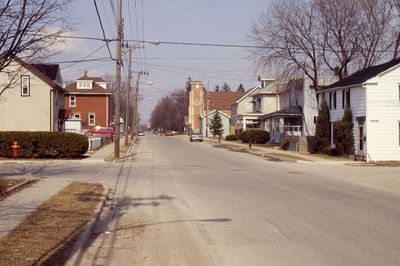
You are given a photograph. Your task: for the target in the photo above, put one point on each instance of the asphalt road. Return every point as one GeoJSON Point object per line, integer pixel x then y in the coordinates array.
{"type": "Point", "coordinates": [182, 203]}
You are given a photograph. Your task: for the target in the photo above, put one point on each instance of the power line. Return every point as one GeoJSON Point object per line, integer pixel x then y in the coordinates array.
{"type": "Point", "coordinates": [89, 55]}
{"type": "Point", "coordinates": [102, 28]}
{"type": "Point", "coordinates": [102, 59]}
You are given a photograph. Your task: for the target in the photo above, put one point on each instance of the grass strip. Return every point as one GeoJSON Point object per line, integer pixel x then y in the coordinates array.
{"type": "Point", "coordinates": [47, 236]}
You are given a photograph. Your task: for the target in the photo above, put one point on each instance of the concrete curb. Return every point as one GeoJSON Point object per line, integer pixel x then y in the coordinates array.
{"type": "Point", "coordinates": [17, 186]}
{"type": "Point", "coordinates": [78, 250]}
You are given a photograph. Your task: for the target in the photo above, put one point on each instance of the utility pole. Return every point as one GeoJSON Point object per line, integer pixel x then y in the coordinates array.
{"type": "Point", "coordinates": [130, 49]}
{"type": "Point", "coordinates": [135, 119]}
{"type": "Point", "coordinates": [117, 114]}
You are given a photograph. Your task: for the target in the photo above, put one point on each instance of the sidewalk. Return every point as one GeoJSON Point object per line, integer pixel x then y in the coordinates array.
{"type": "Point", "coordinates": [15, 208]}
{"type": "Point", "coordinates": [277, 155]}
{"type": "Point", "coordinates": [106, 153]}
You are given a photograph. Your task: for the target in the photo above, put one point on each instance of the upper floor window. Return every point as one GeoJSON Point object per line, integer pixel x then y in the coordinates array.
{"type": "Point", "coordinates": [343, 98]}
{"type": "Point", "coordinates": [77, 115]}
{"type": "Point", "coordinates": [25, 86]}
{"type": "Point", "coordinates": [348, 98]}
{"type": "Point", "coordinates": [334, 100]}
{"type": "Point", "coordinates": [330, 100]}
{"type": "Point", "coordinates": [84, 85]}
{"type": "Point", "coordinates": [72, 101]}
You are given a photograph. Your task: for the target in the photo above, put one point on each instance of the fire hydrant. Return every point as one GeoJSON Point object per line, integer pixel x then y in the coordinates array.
{"type": "Point", "coordinates": [15, 148]}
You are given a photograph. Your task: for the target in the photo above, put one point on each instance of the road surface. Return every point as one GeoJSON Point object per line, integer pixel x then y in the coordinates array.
{"type": "Point", "coordinates": [182, 203]}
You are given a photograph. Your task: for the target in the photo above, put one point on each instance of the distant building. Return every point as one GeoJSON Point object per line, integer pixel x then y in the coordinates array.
{"type": "Point", "coordinates": [89, 100]}
{"type": "Point", "coordinates": [34, 101]}
{"type": "Point", "coordinates": [202, 102]}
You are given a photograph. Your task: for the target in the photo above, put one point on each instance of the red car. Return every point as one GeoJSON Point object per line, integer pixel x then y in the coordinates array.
{"type": "Point", "coordinates": [102, 131]}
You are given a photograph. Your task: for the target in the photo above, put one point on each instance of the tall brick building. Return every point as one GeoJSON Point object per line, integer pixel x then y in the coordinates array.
{"type": "Point", "coordinates": [201, 101]}
{"type": "Point", "coordinates": [89, 100]}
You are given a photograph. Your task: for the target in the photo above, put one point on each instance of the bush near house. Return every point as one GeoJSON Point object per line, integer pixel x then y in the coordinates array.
{"type": "Point", "coordinates": [343, 136]}
{"type": "Point", "coordinates": [322, 129]}
{"type": "Point", "coordinates": [231, 138]}
{"type": "Point", "coordinates": [256, 136]}
{"type": "Point", "coordinates": [43, 144]}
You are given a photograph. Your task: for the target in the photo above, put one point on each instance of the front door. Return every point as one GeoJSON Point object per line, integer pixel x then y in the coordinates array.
{"type": "Point", "coordinates": [361, 139]}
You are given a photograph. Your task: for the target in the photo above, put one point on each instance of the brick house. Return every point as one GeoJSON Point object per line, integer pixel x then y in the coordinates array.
{"type": "Point", "coordinates": [89, 100]}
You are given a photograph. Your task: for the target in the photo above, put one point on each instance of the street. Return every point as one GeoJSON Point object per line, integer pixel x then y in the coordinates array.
{"type": "Point", "coordinates": [183, 203]}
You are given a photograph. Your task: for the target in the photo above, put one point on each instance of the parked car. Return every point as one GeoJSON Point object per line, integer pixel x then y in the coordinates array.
{"type": "Point", "coordinates": [169, 133]}
{"type": "Point", "coordinates": [141, 133]}
{"type": "Point", "coordinates": [101, 131]}
{"type": "Point", "coordinates": [196, 136]}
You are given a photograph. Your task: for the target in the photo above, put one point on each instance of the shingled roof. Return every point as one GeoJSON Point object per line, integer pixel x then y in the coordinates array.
{"type": "Point", "coordinates": [221, 100]}
{"type": "Point", "coordinates": [96, 89]}
{"type": "Point", "coordinates": [363, 75]}
{"type": "Point", "coordinates": [50, 70]}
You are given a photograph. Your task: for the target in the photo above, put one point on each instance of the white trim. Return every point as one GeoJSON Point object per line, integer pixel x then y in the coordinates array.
{"type": "Point", "coordinates": [94, 118]}
{"type": "Point", "coordinates": [70, 105]}
{"type": "Point", "coordinates": [247, 94]}
{"type": "Point", "coordinates": [213, 111]}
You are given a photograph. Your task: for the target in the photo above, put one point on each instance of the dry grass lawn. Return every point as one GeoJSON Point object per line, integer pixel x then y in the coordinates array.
{"type": "Point", "coordinates": [47, 236]}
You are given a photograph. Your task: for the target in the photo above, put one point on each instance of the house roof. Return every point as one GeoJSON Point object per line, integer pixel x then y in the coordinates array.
{"type": "Point", "coordinates": [221, 100]}
{"type": "Point", "coordinates": [50, 70]}
{"type": "Point", "coordinates": [363, 75]}
{"type": "Point", "coordinates": [245, 94]}
{"type": "Point", "coordinates": [94, 79]}
{"type": "Point", "coordinates": [289, 111]}
{"type": "Point", "coordinates": [96, 89]}
{"type": "Point", "coordinates": [219, 112]}
{"type": "Point", "coordinates": [42, 75]}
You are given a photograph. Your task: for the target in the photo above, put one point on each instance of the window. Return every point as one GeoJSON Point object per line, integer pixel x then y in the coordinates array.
{"type": "Point", "coordinates": [348, 98]}
{"type": "Point", "coordinates": [330, 100]}
{"type": "Point", "coordinates": [84, 85]}
{"type": "Point", "coordinates": [315, 119]}
{"type": "Point", "coordinates": [318, 99]}
{"type": "Point", "coordinates": [72, 101]}
{"type": "Point", "coordinates": [343, 98]}
{"type": "Point", "coordinates": [25, 86]}
{"type": "Point", "coordinates": [92, 119]}
{"type": "Point", "coordinates": [77, 115]}
{"type": "Point", "coordinates": [334, 100]}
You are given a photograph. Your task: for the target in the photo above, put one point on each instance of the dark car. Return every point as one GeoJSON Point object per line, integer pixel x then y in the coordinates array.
{"type": "Point", "coordinates": [102, 131]}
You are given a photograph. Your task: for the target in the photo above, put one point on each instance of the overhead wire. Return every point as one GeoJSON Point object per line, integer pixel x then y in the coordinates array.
{"type": "Point", "coordinates": [101, 26]}
{"type": "Point", "coordinates": [81, 60]}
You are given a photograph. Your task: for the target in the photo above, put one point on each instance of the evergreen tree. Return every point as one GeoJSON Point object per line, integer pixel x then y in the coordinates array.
{"type": "Point", "coordinates": [343, 136]}
{"type": "Point", "coordinates": [226, 87]}
{"type": "Point", "coordinates": [187, 86]}
{"type": "Point", "coordinates": [216, 88]}
{"type": "Point", "coordinates": [216, 126]}
{"type": "Point", "coordinates": [241, 88]}
{"type": "Point", "coordinates": [322, 128]}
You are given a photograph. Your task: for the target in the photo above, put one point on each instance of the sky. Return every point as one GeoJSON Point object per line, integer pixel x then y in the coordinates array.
{"type": "Point", "coordinates": [169, 66]}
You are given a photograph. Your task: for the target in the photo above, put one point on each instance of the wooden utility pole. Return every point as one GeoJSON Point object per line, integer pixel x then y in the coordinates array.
{"type": "Point", "coordinates": [130, 50]}
{"type": "Point", "coordinates": [117, 94]}
{"type": "Point", "coordinates": [135, 119]}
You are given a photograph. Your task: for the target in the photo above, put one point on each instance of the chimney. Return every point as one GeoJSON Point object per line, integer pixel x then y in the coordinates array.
{"type": "Point", "coordinates": [85, 73]}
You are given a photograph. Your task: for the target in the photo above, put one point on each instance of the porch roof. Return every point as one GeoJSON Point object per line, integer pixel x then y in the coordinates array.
{"type": "Point", "coordinates": [288, 111]}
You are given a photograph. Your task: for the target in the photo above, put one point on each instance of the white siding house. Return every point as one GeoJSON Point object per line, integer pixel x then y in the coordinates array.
{"type": "Point", "coordinates": [33, 100]}
{"type": "Point", "coordinates": [373, 95]}
{"type": "Point", "coordinates": [296, 111]}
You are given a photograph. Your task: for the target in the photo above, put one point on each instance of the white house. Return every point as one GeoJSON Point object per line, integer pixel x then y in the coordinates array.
{"type": "Point", "coordinates": [247, 110]}
{"type": "Point", "coordinates": [33, 99]}
{"type": "Point", "coordinates": [296, 112]}
{"type": "Point", "coordinates": [373, 95]}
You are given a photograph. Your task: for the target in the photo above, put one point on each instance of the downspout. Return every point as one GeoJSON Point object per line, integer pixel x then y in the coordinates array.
{"type": "Point", "coordinates": [51, 110]}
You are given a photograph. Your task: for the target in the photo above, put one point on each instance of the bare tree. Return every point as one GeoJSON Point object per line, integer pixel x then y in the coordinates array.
{"type": "Point", "coordinates": [29, 29]}
{"type": "Point", "coordinates": [320, 37]}
{"type": "Point", "coordinates": [289, 33]}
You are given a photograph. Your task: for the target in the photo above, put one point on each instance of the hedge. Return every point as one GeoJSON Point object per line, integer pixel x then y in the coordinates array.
{"type": "Point", "coordinates": [43, 144]}
{"type": "Point", "coordinates": [231, 137]}
{"type": "Point", "coordinates": [257, 136]}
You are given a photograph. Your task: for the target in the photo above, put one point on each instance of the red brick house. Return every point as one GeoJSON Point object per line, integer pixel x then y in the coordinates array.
{"type": "Point", "coordinates": [89, 100]}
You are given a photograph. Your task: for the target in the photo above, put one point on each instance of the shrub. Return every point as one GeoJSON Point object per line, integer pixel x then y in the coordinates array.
{"type": "Point", "coordinates": [257, 136]}
{"type": "Point", "coordinates": [231, 138]}
{"type": "Point", "coordinates": [43, 144]}
{"type": "Point", "coordinates": [343, 135]}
